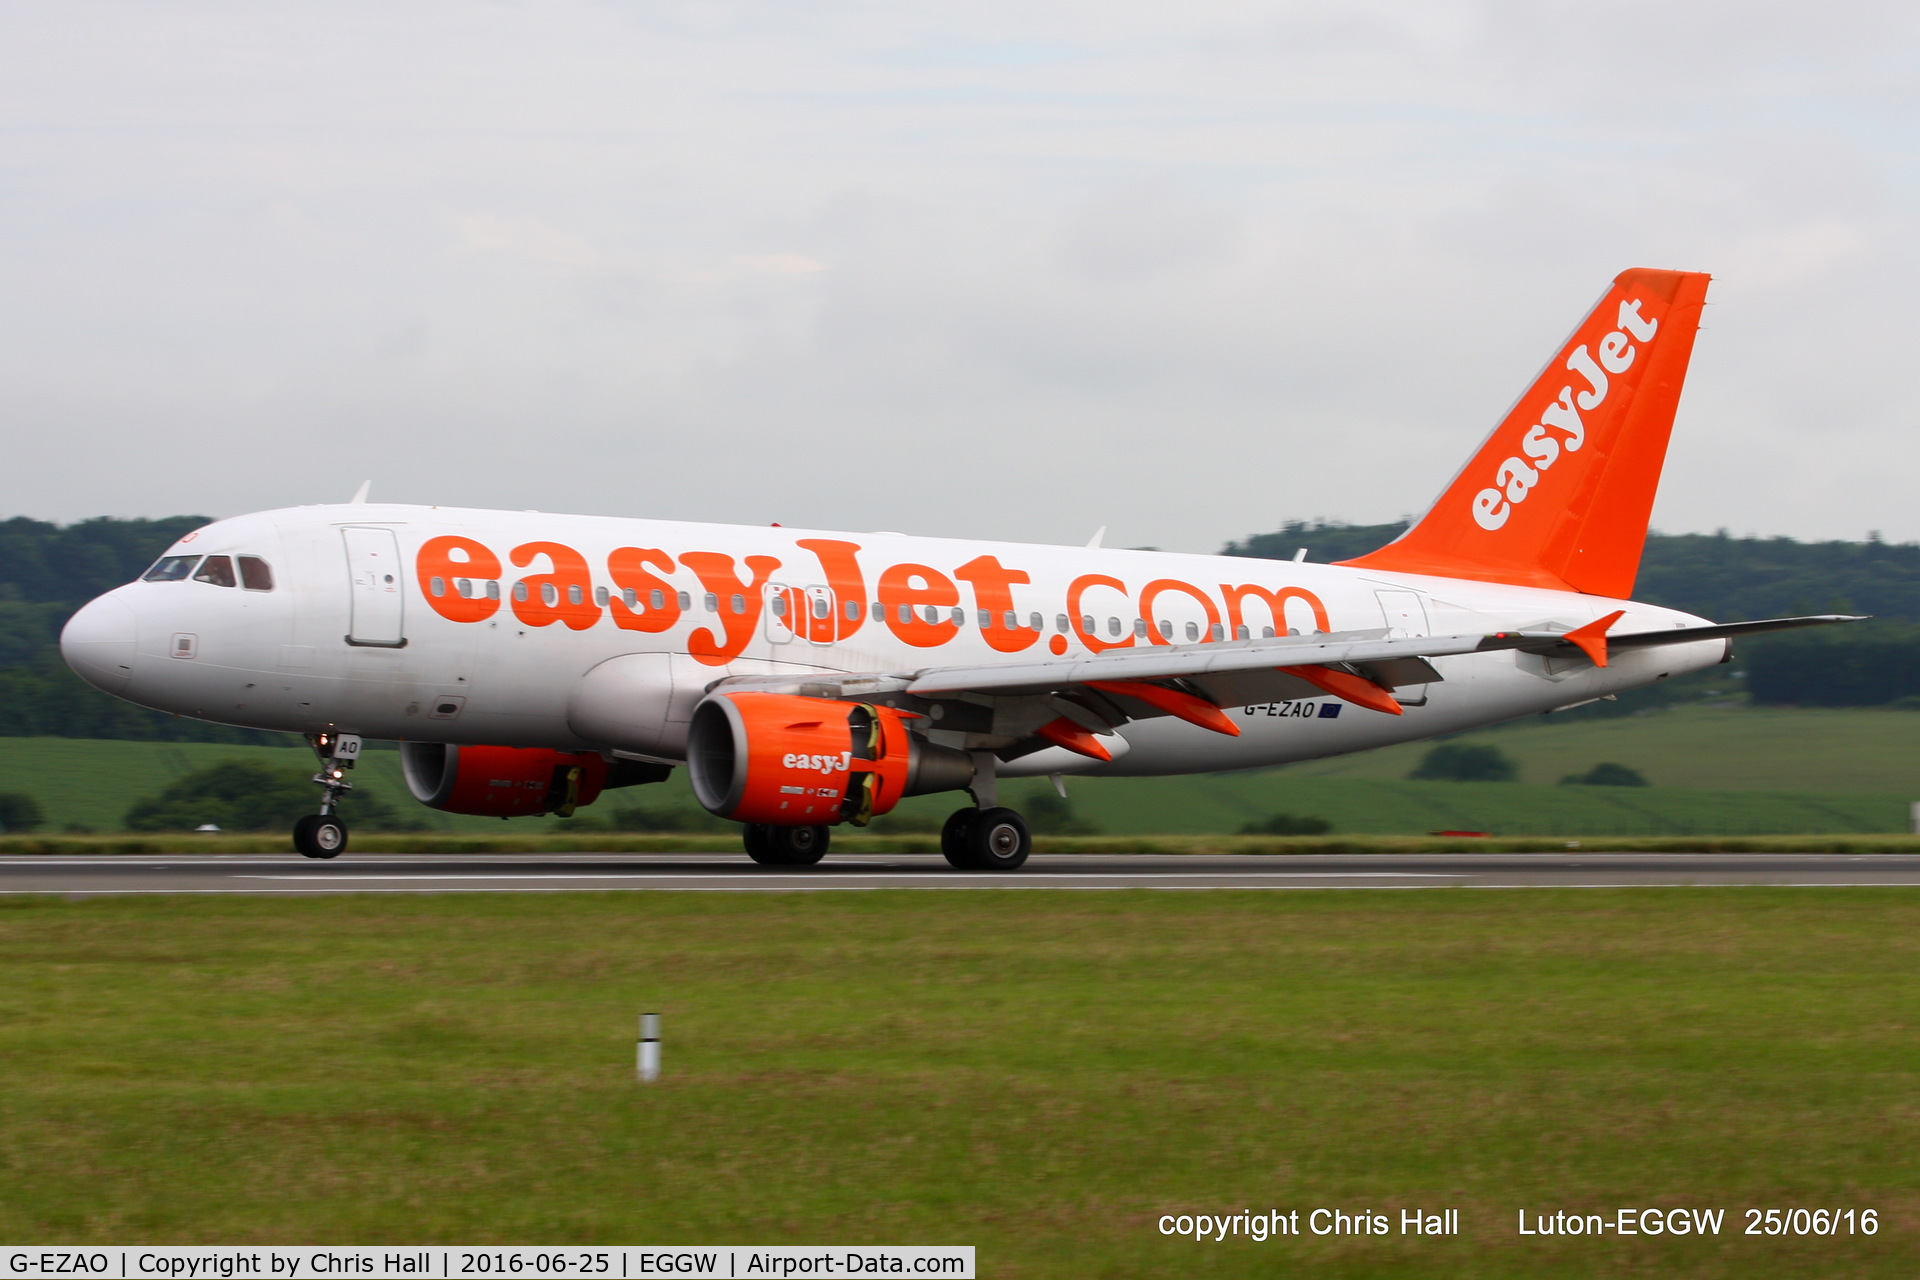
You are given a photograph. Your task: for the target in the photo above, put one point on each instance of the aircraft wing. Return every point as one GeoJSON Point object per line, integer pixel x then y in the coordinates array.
{"type": "Point", "coordinates": [1282, 652]}
{"type": "Point", "coordinates": [1069, 701]}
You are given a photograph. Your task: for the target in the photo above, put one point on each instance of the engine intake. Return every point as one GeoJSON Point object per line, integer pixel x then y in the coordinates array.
{"type": "Point", "coordinates": [790, 761]}
{"type": "Point", "coordinates": [511, 782]}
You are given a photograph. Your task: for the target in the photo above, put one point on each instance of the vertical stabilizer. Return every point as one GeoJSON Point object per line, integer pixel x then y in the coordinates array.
{"type": "Point", "coordinates": [1560, 494]}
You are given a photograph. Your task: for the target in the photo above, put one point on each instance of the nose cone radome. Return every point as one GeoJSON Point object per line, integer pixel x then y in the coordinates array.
{"type": "Point", "coordinates": [98, 643]}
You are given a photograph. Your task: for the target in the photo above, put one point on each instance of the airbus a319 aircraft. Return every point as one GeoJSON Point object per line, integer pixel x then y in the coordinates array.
{"type": "Point", "coordinates": [527, 662]}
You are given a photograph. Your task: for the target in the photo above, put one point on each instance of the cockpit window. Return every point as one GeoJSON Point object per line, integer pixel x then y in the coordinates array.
{"type": "Point", "coordinates": [255, 574]}
{"type": "Point", "coordinates": [170, 569]}
{"type": "Point", "coordinates": [216, 569]}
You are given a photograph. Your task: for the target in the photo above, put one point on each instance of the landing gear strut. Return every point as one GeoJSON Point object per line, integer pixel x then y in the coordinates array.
{"type": "Point", "coordinates": [992, 839]}
{"type": "Point", "coordinates": [772, 846]}
{"type": "Point", "coordinates": [324, 834]}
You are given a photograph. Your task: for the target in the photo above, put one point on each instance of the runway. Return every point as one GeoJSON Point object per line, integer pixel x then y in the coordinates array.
{"type": "Point", "coordinates": [730, 873]}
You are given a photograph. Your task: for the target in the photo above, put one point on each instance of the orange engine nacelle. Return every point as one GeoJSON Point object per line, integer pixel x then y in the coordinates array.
{"type": "Point", "coordinates": [800, 762]}
{"type": "Point", "coordinates": [501, 782]}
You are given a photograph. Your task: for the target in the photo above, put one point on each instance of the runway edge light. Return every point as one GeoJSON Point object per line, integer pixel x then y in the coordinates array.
{"type": "Point", "coordinates": [649, 1052]}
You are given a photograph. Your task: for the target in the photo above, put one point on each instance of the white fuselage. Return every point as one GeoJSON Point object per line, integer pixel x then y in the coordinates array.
{"type": "Point", "coordinates": [340, 643]}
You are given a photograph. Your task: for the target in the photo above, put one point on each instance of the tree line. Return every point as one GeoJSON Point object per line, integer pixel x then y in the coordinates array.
{"type": "Point", "coordinates": [47, 571]}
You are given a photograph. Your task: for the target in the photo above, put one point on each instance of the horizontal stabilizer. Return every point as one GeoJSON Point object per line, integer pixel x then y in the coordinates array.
{"type": "Point", "coordinates": [1559, 643]}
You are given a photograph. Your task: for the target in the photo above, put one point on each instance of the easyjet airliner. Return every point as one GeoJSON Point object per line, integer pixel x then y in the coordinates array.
{"type": "Point", "coordinates": [528, 662]}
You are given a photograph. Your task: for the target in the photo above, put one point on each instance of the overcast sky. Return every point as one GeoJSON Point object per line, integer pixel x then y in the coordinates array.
{"type": "Point", "coordinates": [982, 269]}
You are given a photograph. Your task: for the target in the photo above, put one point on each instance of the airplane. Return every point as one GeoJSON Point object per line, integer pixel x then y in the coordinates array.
{"type": "Point", "coordinates": [527, 663]}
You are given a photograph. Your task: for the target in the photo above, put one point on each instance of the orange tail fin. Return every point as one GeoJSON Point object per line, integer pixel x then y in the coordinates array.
{"type": "Point", "coordinates": [1560, 494]}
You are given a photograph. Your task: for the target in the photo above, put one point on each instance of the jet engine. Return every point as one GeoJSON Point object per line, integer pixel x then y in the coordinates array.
{"type": "Point", "coordinates": [510, 782]}
{"type": "Point", "coordinates": [789, 761]}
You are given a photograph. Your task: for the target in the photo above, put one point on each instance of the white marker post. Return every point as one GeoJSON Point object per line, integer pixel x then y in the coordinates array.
{"type": "Point", "coordinates": [1913, 817]}
{"type": "Point", "coordinates": [649, 1047]}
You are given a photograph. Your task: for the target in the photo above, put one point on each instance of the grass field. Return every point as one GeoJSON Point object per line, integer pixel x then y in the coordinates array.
{"type": "Point", "coordinates": [1732, 771]}
{"type": "Point", "coordinates": [1717, 748]}
{"type": "Point", "coordinates": [1039, 1074]}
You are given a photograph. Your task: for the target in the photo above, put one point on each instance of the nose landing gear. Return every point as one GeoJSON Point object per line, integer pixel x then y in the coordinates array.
{"type": "Point", "coordinates": [324, 834]}
{"type": "Point", "coordinates": [319, 835]}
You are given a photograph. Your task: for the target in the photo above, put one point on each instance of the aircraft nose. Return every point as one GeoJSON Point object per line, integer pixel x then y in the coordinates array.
{"type": "Point", "coordinates": [98, 642]}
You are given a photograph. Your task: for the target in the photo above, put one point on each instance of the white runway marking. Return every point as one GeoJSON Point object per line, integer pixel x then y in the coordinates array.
{"type": "Point", "coordinates": [996, 877]}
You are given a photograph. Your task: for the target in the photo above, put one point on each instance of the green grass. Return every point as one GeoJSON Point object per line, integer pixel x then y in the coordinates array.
{"type": "Point", "coordinates": [1038, 1074]}
{"type": "Point", "coordinates": [1717, 748]}
{"type": "Point", "coordinates": [91, 782]}
{"type": "Point", "coordinates": [1726, 771]}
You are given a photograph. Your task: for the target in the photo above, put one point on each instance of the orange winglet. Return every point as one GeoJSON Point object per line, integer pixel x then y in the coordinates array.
{"type": "Point", "coordinates": [1355, 689]}
{"type": "Point", "coordinates": [1592, 638]}
{"type": "Point", "coordinates": [1175, 703]}
{"type": "Point", "coordinates": [1065, 733]}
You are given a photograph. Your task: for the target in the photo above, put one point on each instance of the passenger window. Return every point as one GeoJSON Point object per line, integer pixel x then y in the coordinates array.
{"type": "Point", "coordinates": [493, 590]}
{"type": "Point", "coordinates": [986, 620]}
{"type": "Point", "coordinates": [685, 602]}
{"type": "Point", "coordinates": [739, 604]}
{"type": "Point", "coordinates": [1086, 623]}
{"type": "Point", "coordinates": [657, 598]}
{"type": "Point", "coordinates": [1140, 628]}
{"type": "Point", "coordinates": [218, 570]}
{"type": "Point", "coordinates": [600, 596]}
{"type": "Point", "coordinates": [437, 585]}
{"type": "Point", "coordinates": [1037, 622]}
{"type": "Point", "coordinates": [1010, 620]}
{"type": "Point", "coordinates": [254, 574]}
{"type": "Point", "coordinates": [1060, 624]}
{"type": "Point", "coordinates": [170, 569]}
{"type": "Point", "coordinates": [1193, 631]}
{"type": "Point", "coordinates": [905, 613]}
{"type": "Point", "coordinates": [959, 617]}
{"type": "Point", "coordinates": [1113, 626]}
{"type": "Point", "coordinates": [820, 607]}
{"type": "Point", "coordinates": [853, 611]}
{"type": "Point", "coordinates": [780, 606]}
{"type": "Point", "coordinates": [632, 598]}
{"type": "Point", "coordinates": [712, 602]}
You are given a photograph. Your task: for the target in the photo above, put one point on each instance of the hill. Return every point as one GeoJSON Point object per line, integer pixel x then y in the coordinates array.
{"type": "Point", "coordinates": [1716, 576]}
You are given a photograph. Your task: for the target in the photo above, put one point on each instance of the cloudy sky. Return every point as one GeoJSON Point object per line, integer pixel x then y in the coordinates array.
{"type": "Point", "coordinates": [992, 269]}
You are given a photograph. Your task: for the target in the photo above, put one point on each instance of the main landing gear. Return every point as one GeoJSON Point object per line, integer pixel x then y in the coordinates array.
{"type": "Point", "coordinates": [324, 834]}
{"type": "Point", "coordinates": [772, 846]}
{"type": "Point", "coordinates": [986, 839]}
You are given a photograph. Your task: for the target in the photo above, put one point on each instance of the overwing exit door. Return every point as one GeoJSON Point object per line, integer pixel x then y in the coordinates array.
{"type": "Point", "coordinates": [373, 566]}
{"type": "Point", "coordinates": [1406, 616]}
